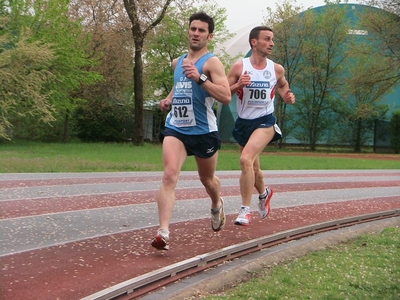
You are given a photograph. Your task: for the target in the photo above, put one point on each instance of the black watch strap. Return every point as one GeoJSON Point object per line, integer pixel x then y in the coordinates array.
{"type": "Point", "coordinates": [203, 78]}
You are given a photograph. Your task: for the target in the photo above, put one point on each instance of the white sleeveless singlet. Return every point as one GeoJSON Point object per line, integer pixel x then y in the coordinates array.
{"type": "Point", "coordinates": [257, 99]}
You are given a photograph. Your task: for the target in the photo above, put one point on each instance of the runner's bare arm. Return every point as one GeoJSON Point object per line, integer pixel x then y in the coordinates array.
{"type": "Point", "coordinates": [236, 79]}
{"type": "Point", "coordinates": [217, 85]}
{"type": "Point", "coordinates": [283, 85]}
{"type": "Point", "coordinates": [165, 104]}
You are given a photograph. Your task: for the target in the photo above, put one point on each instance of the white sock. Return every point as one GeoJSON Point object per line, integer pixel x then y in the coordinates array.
{"type": "Point", "coordinates": [264, 195]}
{"type": "Point", "coordinates": [164, 231]}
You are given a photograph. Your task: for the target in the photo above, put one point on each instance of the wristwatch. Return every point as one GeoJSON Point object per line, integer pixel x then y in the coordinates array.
{"type": "Point", "coordinates": [203, 78]}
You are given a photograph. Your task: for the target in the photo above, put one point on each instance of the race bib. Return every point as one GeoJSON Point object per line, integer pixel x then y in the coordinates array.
{"type": "Point", "coordinates": [182, 111]}
{"type": "Point", "coordinates": [257, 93]}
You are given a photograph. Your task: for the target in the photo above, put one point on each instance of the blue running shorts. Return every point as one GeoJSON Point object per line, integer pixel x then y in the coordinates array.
{"type": "Point", "coordinates": [244, 128]}
{"type": "Point", "coordinates": [203, 145]}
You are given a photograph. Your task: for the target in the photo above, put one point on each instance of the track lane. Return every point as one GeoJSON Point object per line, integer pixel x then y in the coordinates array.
{"type": "Point", "coordinates": [71, 269]}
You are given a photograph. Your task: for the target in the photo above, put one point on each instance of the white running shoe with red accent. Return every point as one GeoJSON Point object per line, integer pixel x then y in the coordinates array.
{"type": "Point", "coordinates": [264, 204]}
{"type": "Point", "coordinates": [161, 241]}
{"type": "Point", "coordinates": [244, 217]}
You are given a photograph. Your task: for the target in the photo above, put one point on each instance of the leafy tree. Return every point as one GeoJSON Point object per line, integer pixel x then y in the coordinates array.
{"type": "Point", "coordinates": [360, 98]}
{"type": "Point", "coordinates": [144, 16]}
{"type": "Point", "coordinates": [111, 45]}
{"type": "Point", "coordinates": [370, 76]}
{"type": "Point", "coordinates": [72, 64]}
{"type": "Point", "coordinates": [49, 24]}
{"type": "Point", "coordinates": [290, 32]}
{"type": "Point", "coordinates": [392, 6]}
{"type": "Point", "coordinates": [383, 26]}
{"type": "Point", "coordinates": [324, 60]}
{"type": "Point", "coordinates": [24, 69]}
{"type": "Point", "coordinates": [359, 104]}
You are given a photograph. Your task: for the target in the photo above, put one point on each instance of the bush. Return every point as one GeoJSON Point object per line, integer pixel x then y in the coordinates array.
{"type": "Point", "coordinates": [394, 128]}
{"type": "Point", "coordinates": [101, 121]}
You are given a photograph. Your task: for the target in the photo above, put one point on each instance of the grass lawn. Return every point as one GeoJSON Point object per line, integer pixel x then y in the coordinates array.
{"type": "Point", "coordinates": [29, 157]}
{"type": "Point", "coordinates": [365, 268]}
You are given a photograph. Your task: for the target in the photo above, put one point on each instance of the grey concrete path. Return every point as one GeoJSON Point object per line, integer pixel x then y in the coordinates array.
{"type": "Point", "coordinates": [108, 188]}
{"type": "Point", "coordinates": [35, 232]}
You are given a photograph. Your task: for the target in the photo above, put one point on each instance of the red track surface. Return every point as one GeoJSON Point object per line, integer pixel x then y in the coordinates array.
{"type": "Point", "coordinates": [74, 270]}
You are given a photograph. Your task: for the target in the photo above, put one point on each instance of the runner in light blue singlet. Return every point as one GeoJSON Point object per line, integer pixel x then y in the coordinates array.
{"type": "Point", "coordinates": [192, 107]}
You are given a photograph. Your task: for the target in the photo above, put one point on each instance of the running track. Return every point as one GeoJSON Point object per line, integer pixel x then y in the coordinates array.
{"type": "Point", "coordinates": [69, 235]}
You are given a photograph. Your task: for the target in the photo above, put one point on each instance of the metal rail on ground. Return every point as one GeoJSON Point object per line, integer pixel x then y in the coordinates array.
{"type": "Point", "coordinates": [154, 280]}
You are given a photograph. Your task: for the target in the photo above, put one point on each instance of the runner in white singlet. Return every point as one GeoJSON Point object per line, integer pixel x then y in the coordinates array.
{"type": "Point", "coordinates": [255, 81]}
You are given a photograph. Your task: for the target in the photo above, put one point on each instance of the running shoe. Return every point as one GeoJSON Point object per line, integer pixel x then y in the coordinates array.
{"type": "Point", "coordinates": [161, 241]}
{"type": "Point", "coordinates": [264, 203]}
{"type": "Point", "coordinates": [244, 217]}
{"type": "Point", "coordinates": [218, 217]}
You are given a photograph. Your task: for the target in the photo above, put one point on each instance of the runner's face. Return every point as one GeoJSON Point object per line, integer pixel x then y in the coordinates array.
{"type": "Point", "coordinates": [265, 43]}
{"type": "Point", "coordinates": [198, 35]}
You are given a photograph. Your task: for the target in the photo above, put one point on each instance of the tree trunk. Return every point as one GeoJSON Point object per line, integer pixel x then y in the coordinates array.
{"type": "Point", "coordinates": [66, 127]}
{"type": "Point", "coordinates": [133, 9]}
{"type": "Point", "coordinates": [138, 137]}
{"type": "Point", "coordinates": [357, 144]}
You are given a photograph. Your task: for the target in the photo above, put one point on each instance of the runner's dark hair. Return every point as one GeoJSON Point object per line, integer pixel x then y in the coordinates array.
{"type": "Point", "coordinates": [202, 16]}
{"type": "Point", "coordinates": [255, 32]}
